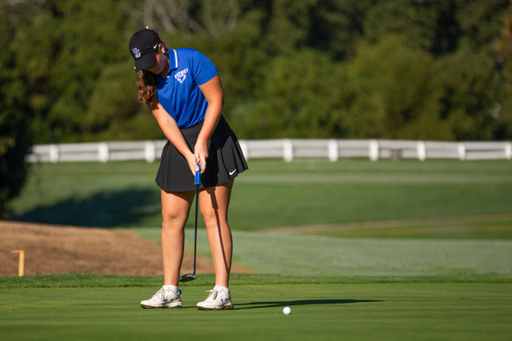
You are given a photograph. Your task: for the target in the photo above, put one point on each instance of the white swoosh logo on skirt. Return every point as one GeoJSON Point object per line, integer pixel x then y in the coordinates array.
{"type": "Point", "coordinates": [233, 172]}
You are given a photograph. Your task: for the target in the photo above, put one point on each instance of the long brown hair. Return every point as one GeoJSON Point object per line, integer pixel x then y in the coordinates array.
{"type": "Point", "coordinates": [146, 82]}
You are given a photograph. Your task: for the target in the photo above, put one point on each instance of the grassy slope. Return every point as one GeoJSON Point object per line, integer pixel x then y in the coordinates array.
{"type": "Point", "coordinates": [318, 255]}
{"type": "Point", "coordinates": [486, 228]}
{"type": "Point", "coordinates": [273, 193]}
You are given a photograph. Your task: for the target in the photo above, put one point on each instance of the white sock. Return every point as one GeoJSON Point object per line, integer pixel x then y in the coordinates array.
{"type": "Point", "coordinates": [173, 288]}
{"type": "Point", "coordinates": [226, 290]}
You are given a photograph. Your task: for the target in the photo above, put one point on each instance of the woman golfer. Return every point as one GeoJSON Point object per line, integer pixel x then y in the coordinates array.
{"type": "Point", "coordinates": [182, 89]}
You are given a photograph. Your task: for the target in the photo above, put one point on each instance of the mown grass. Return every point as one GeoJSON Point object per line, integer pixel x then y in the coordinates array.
{"type": "Point", "coordinates": [274, 193]}
{"type": "Point", "coordinates": [299, 255]}
{"type": "Point", "coordinates": [357, 311]}
{"type": "Point", "coordinates": [486, 228]}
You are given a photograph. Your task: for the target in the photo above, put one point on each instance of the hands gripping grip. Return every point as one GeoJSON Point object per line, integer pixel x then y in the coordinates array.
{"type": "Point", "coordinates": [198, 175]}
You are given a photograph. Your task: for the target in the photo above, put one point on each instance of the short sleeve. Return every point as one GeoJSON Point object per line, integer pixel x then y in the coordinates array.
{"type": "Point", "coordinates": [204, 70]}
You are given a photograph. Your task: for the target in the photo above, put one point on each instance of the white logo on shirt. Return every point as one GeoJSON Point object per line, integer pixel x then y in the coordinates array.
{"type": "Point", "coordinates": [136, 52]}
{"type": "Point", "coordinates": [180, 76]}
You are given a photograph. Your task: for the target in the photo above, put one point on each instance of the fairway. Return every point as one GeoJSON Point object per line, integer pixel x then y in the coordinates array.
{"type": "Point", "coordinates": [274, 193]}
{"type": "Point", "coordinates": [420, 311]}
{"type": "Point", "coordinates": [322, 255]}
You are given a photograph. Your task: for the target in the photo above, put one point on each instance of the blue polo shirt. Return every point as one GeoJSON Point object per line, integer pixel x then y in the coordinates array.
{"type": "Point", "coordinates": [179, 93]}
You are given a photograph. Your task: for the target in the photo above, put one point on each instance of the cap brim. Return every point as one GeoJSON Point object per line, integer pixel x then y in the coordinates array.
{"type": "Point", "coordinates": [145, 62]}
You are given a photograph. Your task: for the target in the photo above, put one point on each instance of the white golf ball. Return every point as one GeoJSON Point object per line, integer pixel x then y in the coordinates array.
{"type": "Point", "coordinates": [287, 310]}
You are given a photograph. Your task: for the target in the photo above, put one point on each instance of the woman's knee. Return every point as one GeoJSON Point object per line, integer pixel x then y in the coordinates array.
{"type": "Point", "coordinates": [175, 209]}
{"type": "Point", "coordinates": [214, 204]}
{"type": "Point", "coordinates": [213, 217]}
{"type": "Point", "coordinates": [210, 216]}
{"type": "Point", "coordinates": [173, 220]}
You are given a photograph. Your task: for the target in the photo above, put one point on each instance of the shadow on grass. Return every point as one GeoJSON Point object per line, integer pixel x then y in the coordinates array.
{"type": "Point", "coordinates": [256, 305]}
{"type": "Point", "coordinates": [103, 209]}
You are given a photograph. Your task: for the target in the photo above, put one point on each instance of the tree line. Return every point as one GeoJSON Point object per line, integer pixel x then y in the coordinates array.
{"type": "Point", "coordinates": [406, 69]}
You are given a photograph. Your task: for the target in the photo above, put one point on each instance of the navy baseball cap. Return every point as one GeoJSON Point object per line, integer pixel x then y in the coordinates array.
{"type": "Point", "coordinates": [143, 47]}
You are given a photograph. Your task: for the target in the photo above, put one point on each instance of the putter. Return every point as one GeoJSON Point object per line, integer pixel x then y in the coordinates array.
{"type": "Point", "coordinates": [192, 276]}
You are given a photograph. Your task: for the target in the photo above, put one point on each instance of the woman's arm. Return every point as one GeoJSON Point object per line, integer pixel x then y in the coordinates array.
{"type": "Point", "coordinates": [212, 91]}
{"type": "Point", "coordinates": [173, 133]}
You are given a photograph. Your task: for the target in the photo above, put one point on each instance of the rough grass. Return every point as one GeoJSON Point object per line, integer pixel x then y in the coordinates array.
{"type": "Point", "coordinates": [107, 281]}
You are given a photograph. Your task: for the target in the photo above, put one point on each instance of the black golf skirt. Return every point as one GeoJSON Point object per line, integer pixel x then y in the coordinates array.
{"type": "Point", "coordinates": [225, 160]}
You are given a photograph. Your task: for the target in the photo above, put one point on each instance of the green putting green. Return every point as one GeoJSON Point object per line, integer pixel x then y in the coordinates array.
{"type": "Point", "coordinates": [384, 311]}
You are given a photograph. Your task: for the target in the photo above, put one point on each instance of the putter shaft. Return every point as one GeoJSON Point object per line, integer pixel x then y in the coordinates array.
{"type": "Point", "coordinates": [192, 276]}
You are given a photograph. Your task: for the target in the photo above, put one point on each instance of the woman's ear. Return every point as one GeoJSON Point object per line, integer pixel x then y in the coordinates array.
{"type": "Point", "coordinates": [161, 48]}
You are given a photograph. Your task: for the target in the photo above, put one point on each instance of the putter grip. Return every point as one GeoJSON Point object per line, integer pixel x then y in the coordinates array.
{"type": "Point", "coordinates": [198, 175]}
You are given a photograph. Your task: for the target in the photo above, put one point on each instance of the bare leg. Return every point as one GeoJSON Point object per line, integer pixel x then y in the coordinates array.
{"type": "Point", "coordinates": [214, 203]}
{"type": "Point", "coordinates": [175, 210]}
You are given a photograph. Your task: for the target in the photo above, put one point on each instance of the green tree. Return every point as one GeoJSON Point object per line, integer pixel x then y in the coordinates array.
{"type": "Point", "coordinates": [480, 21]}
{"type": "Point", "coordinates": [338, 25]}
{"type": "Point", "coordinates": [416, 21]}
{"type": "Point", "coordinates": [437, 26]}
{"type": "Point", "coordinates": [15, 133]}
{"type": "Point", "coordinates": [470, 84]}
{"type": "Point", "coordinates": [289, 26]}
{"type": "Point", "coordinates": [303, 68]}
{"type": "Point", "coordinates": [396, 93]}
{"type": "Point", "coordinates": [502, 111]}
{"type": "Point", "coordinates": [15, 141]}
{"type": "Point", "coordinates": [300, 96]}
{"type": "Point", "coordinates": [60, 51]}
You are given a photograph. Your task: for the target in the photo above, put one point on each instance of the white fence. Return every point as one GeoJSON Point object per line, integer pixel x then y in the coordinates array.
{"type": "Point", "coordinates": [288, 149]}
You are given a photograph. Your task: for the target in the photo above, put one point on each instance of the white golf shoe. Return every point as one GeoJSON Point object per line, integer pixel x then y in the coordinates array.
{"type": "Point", "coordinates": [218, 299]}
{"type": "Point", "coordinates": [164, 298]}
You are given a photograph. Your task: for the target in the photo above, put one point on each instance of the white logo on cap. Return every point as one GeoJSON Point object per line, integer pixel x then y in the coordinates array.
{"type": "Point", "coordinates": [136, 52]}
{"type": "Point", "coordinates": [180, 76]}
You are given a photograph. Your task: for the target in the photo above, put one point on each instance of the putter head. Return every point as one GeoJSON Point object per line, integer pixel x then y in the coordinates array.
{"type": "Point", "coordinates": [187, 278]}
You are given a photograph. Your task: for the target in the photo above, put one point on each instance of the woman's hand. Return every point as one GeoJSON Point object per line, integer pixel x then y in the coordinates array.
{"type": "Point", "coordinates": [192, 163]}
{"type": "Point", "coordinates": [201, 154]}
